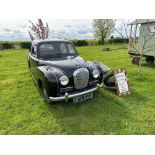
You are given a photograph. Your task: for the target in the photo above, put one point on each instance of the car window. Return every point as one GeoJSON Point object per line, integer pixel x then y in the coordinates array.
{"type": "Point", "coordinates": [34, 50]}
{"type": "Point", "coordinates": [46, 47]}
{"type": "Point", "coordinates": [55, 50]}
{"type": "Point", "coordinates": [46, 50]}
{"type": "Point", "coordinates": [70, 48]}
{"type": "Point", "coordinates": [63, 48]}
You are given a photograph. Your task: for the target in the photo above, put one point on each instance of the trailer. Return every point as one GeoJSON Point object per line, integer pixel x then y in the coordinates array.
{"type": "Point", "coordinates": [142, 40]}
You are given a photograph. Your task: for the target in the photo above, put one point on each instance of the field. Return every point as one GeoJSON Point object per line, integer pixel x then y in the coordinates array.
{"type": "Point", "coordinates": [23, 111]}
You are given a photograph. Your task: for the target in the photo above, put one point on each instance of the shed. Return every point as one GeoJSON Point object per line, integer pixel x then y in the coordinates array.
{"type": "Point", "coordinates": [142, 39]}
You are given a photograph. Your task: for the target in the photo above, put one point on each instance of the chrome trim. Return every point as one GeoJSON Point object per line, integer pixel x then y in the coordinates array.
{"type": "Point", "coordinates": [81, 78]}
{"type": "Point", "coordinates": [67, 89]}
{"type": "Point", "coordinates": [33, 79]}
{"type": "Point", "coordinates": [70, 96]}
{"type": "Point", "coordinates": [93, 82]}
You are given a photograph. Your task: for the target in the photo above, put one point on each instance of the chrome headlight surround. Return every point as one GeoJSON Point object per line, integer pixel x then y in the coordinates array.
{"type": "Point", "coordinates": [96, 74]}
{"type": "Point", "coordinates": [64, 80]}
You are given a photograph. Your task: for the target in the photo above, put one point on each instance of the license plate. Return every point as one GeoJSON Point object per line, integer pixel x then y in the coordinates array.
{"type": "Point", "coordinates": [83, 97]}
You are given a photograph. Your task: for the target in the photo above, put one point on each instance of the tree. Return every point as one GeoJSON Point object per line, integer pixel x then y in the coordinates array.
{"type": "Point", "coordinates": [103, 28]}
{"type": "Point", "coordinates": [122, 28]}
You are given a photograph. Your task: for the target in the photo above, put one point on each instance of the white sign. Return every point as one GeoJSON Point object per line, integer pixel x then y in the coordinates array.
{"type": "Point", "coordinates": [122, 82]}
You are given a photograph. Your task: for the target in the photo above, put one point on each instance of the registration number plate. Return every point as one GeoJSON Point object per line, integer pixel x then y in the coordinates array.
{"type": "Point", "coordinates": [83, 97]}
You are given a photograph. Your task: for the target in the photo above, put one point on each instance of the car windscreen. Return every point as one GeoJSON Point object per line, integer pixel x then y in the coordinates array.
{"type": "Point", "coordinates": [55, 49]}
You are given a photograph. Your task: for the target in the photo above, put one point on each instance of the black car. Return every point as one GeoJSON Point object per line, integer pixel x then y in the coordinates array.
{"type": "Point", "coordinates": [61, 74]}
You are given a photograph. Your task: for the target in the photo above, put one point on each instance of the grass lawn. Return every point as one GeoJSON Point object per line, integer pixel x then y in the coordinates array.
{"type": "Point", "coordinates": [23, 111]}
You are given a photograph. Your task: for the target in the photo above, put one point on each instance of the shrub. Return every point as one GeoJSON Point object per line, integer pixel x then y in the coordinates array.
{"type": "Point", "coordinates": [80, 42]}
{"type": "Point", "coordinates": [120, 40]}
{"type": "Point", "coordinates": [92, 42]}
{"type": "Point", "coordinates": [115, 41]}
{"type": "Point", "coordinates": [110, 41]}
{"type": "Point", "coordinates": [105, 42]}
{"type": "Point", "coordinates": [1, 47]}
{"type": "Point", "coordinates": [25, 45]}
{"type": "Point", "coordinates": [99, 42]}
{"type": "Point", "coordinates": [74, 42]}
{"type": "Point", "coordinates": [7, 45]}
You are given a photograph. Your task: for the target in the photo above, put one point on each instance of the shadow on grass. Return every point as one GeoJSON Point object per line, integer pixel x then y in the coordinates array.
{"type": "Point", "coordinates": [120, 48]}
{"type": "Point", "coordinates": [149, 65]}
{"type": "Point", "coordinates": [106, 113]}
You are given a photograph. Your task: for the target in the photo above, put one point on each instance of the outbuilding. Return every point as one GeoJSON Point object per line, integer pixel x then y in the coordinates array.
{"type": "Point", "coordinates": [142, 40]}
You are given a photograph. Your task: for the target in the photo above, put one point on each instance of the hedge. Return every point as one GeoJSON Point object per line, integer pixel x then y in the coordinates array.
{"type": "Point", "coordinates": [7, 45]}
{"type": "Point", "coordinates": [118, 40]}
{"type": "Point", "coordinates": [92, 42]}
{"type": "Point", "coordinates": [80, 42]}
{"type": "Point", "coordinates": [25, 45]}
{"type": "Point", "coordinates": [106, 41]}
{"type": "Point", "coordinates": [1, 48]}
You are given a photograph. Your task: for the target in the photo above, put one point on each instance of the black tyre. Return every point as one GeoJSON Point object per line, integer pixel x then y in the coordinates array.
{"type": "Point", "coordinates": [108, 81]}
{"type": "Point", "coordinates": [46, 97]}
{"type": "Point", "coordinates": [150, 59]}
{"type": "Point", "coordinates": [29, 64]}
{"type": "Point", "coordinates": [135, 60]}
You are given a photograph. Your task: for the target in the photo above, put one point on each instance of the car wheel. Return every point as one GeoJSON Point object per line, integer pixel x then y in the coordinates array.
{"type": "Point", "coordinates": [150, 59]}
{"type": "Point", "coordinates": [29, 64]}
{"type": "Point", "coordinates": [108, 81]}
{"type": "Point", "coordinates": [46, 97]}
{"type": "Point", "coordinates": [135, 60]}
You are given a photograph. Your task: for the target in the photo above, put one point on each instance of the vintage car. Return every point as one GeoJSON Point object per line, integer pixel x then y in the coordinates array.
{"type": "Point", "coordinates": [61, 74]}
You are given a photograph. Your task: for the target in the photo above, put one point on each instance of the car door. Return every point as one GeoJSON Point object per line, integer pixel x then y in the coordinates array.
{"type": "Point", "coordinates": [33, 60]}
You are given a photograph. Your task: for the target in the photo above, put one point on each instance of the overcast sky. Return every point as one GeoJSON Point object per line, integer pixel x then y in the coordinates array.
{"type": "Point", "coordinates": [16, 30]}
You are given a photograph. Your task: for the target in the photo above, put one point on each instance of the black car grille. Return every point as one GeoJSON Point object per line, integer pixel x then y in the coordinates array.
{"type": "Point", "coordinates": [81, 78]}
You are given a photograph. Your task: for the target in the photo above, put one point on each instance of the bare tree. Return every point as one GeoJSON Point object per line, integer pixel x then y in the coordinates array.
{"type": "Point", "coordinates": [122, 28]}
{"type": "Point", "coordinates": [103, 28]}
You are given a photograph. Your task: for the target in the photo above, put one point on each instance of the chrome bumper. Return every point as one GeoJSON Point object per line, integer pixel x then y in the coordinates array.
{"type": "Point", "coordinates": [70, 96]}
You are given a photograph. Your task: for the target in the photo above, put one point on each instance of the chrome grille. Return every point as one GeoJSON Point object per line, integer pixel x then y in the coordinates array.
{"type": "Point", "coordinates": [81, 78]}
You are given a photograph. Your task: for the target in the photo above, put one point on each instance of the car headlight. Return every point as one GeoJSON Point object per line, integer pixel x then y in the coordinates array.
{"type": "Point", "coordinates": [96, 74]}
{"type": "Point", "coordinates": [64, 80]}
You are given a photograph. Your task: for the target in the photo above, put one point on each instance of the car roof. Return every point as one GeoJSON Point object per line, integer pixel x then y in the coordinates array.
{"type": "Point", "coordinates": [34, 42]}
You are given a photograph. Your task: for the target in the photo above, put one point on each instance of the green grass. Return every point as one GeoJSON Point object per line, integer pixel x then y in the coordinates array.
{"type": "Point", "coordinates": [23, 111]}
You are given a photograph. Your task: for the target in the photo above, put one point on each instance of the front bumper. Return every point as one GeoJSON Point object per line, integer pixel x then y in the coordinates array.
{"type": "Point", "coordinates": [67, 96]}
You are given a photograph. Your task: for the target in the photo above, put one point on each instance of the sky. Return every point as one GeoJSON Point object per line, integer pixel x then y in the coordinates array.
{"type": "Point", "coordinates": [17, 30]}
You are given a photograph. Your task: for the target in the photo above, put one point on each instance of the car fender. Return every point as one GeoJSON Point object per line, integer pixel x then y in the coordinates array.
{"type": "Point", "coordinates": [101, 67]}
{"type": "Point", "coordinates": [50, 78]}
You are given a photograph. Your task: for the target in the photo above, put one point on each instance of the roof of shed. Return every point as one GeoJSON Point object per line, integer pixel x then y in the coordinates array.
{"type": "Point", "coordinates": [142, 21]}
